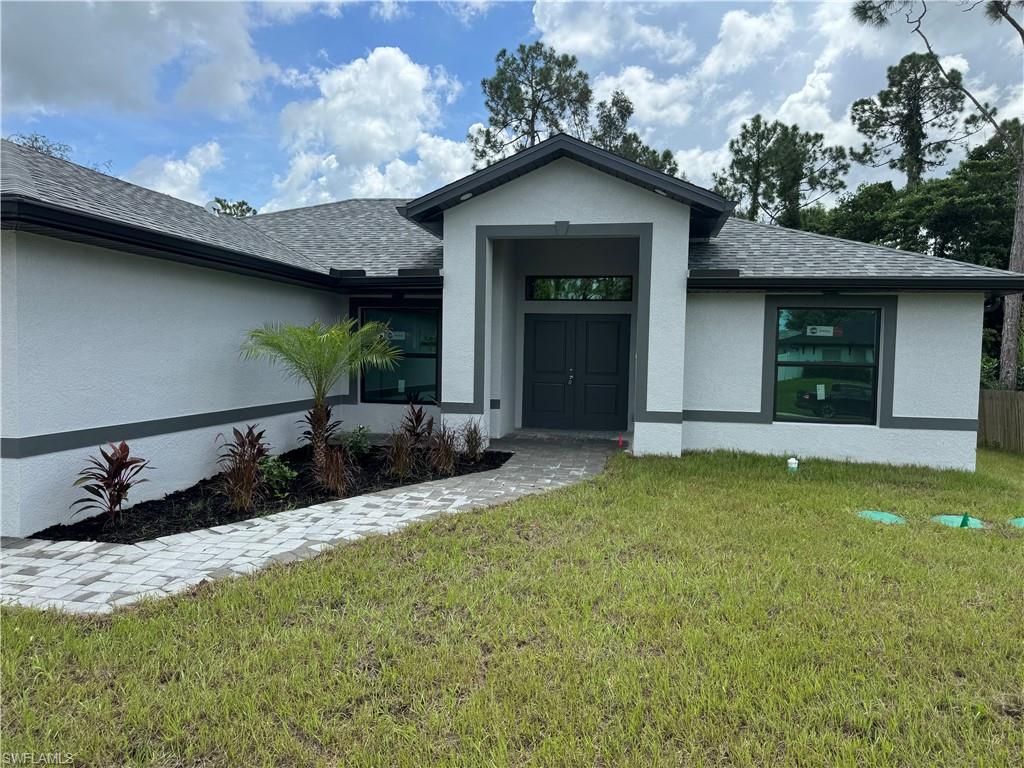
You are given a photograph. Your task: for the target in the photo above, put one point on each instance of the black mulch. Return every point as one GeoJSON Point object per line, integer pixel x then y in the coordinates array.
{"type": "Point", "coordinates": [202, 506]}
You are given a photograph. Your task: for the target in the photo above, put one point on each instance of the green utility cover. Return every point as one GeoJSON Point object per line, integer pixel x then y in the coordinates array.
{"type": "Point", "coordinates": [1017, 522]}
{"type": "Point", "coordinates": [881, 517]}
{"type": "Point", "coordinates": [957, 521]}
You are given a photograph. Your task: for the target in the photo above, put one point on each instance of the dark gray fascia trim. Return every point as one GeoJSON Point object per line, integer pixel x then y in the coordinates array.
{"type": "Point", "coordinates": [659, 417]}
{"type": "Point", "coordinates": [462, 408]}
{"type": "Point", "coordinates": [997, 284]}
{"type": "Point", "coordinates": [425, 210]}
{"type": "Point", "coordinates": [24, 214]}
{"type": "Point", "coordinates": [389, 283]}
{"type": "Point", "coordinates": [734, 417]}
{"type": "Point", "coordinates": [37, 445]}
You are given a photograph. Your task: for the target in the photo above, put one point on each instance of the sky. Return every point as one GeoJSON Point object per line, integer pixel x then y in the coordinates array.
{"type": "Point", "coordinates": [292, 104]}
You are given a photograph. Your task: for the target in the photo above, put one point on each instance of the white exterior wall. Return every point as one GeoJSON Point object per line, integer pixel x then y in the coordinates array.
{"type": "Point", "coordinates": [938, 354]}
{"type": "Point", "coordinates": [568, 191]}
{"type": "Point", "coordinates": [724, 352]}
{"type": "Point", "coordinates": [938, 350]}
{"type": "Point", "coordinates": [105, 337]}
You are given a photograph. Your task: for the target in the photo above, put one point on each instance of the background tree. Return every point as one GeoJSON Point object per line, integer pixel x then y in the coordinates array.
{"type": "Point", "coordinates": [747, 177]}
{"type": "Point", "coordinates": [239, 209]}
{"type": "Point", "coordinates": [878, 13]}
{"type": "Point", "coordinates": [912, 124]}
{"type": "Point", "coordinates": [534, 93]}
{"type": "Point", "coordinates": [778, 170]}
{"type": "Point", "coordinates": [611, 132]}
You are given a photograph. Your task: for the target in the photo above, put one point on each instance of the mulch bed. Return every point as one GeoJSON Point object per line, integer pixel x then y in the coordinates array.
{"type": "Point", "coordinates": [202, 506]}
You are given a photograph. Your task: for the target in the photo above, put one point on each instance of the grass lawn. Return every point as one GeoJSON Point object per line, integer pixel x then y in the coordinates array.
{"type": "Point", "coordinates": [709, 610]}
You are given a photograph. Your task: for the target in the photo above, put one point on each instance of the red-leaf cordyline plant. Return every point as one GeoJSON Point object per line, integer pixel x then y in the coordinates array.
{"type": "Point", "coordinates": [241, 479]}
{"type": "Point", "coordinates": [321, 355]}
{"type": "Point", "coordinates": [108, 480]}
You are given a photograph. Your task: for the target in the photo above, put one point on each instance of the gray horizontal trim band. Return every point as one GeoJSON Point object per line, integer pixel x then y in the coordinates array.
{"type": "Point", "coordinates": [917, 422]}
{"type": "Point", "coordinates": [659, 417]}
{"type": "Point", "coordinates": [735, 417]}
{"type": "Point", "coordinates": [495, 403]}
{"type": "Point", "coordinates": [470, 408]}
{"type": "Point", "coordinates": [38, 445]}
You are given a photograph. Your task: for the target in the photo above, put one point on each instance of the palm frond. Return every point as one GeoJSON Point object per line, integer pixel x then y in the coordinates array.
{"type": "Point", "coordinates": [321, 354]}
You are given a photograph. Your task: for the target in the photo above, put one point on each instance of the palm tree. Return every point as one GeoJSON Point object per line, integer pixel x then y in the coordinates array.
{"type": "Point", "coordinates": [320, 355]}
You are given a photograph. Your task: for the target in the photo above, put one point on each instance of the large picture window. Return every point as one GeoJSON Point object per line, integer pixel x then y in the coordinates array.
{"type": "Point", "coordinates": [594, 288]}
{"type": "Point", "coordinates": [414, 379]}
{"type": "Point", "coordinates": [826, 365]}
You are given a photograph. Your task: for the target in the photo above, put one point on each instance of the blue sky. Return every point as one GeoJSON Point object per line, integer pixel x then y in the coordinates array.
{"type": "Point", "coordinates": [301, 103]}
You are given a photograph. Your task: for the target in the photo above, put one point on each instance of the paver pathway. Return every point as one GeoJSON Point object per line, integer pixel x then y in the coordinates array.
{"type": "Point", "coordinates": [93, 577]}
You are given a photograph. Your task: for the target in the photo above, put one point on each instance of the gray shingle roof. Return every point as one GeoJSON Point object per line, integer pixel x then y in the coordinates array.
{"type": "Point", "coordinates": [27, 173]}
{"type": "Point", "coordinates": [372, 235]}
{"type": "Point", "coordinates": [762, 250]}
{"type": "Point", "coordinates": [355, 234]}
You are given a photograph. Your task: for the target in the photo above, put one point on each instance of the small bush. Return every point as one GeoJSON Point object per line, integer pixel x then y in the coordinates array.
{"type": "Point", "coordinates": [473, 440]}
{"type": "Point", "coordinates": [417, 425]}
{"type": "Point", "coordinates": [400, 455]}
{"type": "Point", "coordinates": [318, 422]}
{"type": "Point", "coordinates": [241, 479]}
{"type": "Point", "coordinates": [108, 481]}
{"type": "Point", "coordinates": [443, 451]}
{"type": "Point", "coordinates": [337, 473]}
{"type": "Point", "coordinates": [277, 476]}
{"type": "Point", "coordinates": [357, 442]}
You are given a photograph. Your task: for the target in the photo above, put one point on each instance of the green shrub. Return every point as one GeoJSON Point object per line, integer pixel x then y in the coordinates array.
{"type": "Point", "coordinates": [277, 476]}
{"type": "Point", "coordinates": [357, 442]}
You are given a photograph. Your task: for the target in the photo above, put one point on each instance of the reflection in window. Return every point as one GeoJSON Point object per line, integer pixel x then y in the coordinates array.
{"type": "Point", "coordinates": [414, 379]}
{"type": "Point", "coordinates": [579, 288]}
{"type": "Point", "coordinates": [826, 365]}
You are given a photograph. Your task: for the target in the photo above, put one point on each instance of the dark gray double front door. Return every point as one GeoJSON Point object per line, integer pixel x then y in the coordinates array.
{"type": "Point", "coordinates": [576, 371]}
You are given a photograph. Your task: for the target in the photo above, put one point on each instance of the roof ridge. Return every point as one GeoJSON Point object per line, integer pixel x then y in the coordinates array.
{"type": "Point", "coordinates": [832, 238]}
{"type": "Point", "coordinates": [335, 202]}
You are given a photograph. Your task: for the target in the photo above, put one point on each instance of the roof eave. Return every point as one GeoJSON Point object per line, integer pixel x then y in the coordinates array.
{"type": "Point", "coordinates": [993, 285]}
{"type": "Point", "coordinates": [428, 209]}
{"type": "Point", "coordinates": [18, 212]}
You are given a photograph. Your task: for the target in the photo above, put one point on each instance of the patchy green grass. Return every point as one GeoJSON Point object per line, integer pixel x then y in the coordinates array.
{"type": "Point", "coordinates": [709, 610]}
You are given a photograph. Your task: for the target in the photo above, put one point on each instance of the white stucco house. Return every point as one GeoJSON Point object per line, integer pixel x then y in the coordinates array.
{"type": "Point", "coordinates": [562, 288]}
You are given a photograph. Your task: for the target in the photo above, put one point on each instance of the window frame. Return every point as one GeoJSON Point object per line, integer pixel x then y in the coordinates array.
{"type": "Point", "coordinates": [528, 282]}
{"type": "Point", "coordinates": [774, 364]}
{"type": "Point", "coordinates": [357, 309]}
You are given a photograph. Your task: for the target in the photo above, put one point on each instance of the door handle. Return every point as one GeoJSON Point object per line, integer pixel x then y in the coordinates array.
{"type": "Point", "coordinates": [571, 377]}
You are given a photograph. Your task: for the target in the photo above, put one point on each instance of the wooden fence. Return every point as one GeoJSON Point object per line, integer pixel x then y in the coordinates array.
{"type": "Point", "coordinates": [1001, 420]}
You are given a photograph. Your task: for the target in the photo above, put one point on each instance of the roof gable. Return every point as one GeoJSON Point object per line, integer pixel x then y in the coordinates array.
{"type": "Point", "coordinates": [708, 210]}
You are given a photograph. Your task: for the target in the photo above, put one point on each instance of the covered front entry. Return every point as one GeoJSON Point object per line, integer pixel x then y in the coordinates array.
{"type": "Point", "coordinates": [576, 371]}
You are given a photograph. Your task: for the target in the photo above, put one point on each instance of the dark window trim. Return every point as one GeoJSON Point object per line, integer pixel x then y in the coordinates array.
{"type": "Point", "coordinates": [355, 309]}
{"type": "Point", "coordinates": [874, 367]}
{"type": "Point", "coordinates": [530, 278]}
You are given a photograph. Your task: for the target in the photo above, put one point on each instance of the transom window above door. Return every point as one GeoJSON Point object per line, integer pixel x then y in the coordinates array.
{"type": "Point", "coordinates": [582, 288]}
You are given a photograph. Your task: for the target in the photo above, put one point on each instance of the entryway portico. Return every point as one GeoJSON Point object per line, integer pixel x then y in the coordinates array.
{"type": "Point", "coordinates": [566, 209]}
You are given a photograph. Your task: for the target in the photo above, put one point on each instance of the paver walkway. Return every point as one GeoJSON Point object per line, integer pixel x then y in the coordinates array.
{"type": "Point", "coordinates": [93, 577]}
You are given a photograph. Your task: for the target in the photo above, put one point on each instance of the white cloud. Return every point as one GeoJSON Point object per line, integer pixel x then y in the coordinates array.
{"type": "Point", "coordinates": [745, 40]}
{"type": "Point", "coordinates": [955, 61]}
{"type": "Point", "coordinates": [467, 10]}
{"type": "Point", "coordinates": [809, 108]}
{"type": "Point", "coordinates": [181, 178]}
{"type": "Point", "coordinates": [388, 10]}
{"type": "Point", "coordinates": [657, 103]}
{"type": "Point", "coordinates": [370, 109]}
{"type": "Point", "coordinates": [601, 31]}
{"type": "Point", "coordinates": [61, 56]}
{"type": "Point", "coordinates": [699, 164]}
{"type": "Point", "coordinates": [369, 133]}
